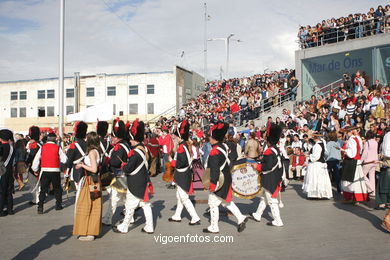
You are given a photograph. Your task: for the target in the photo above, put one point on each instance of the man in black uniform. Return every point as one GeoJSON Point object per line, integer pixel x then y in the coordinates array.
{"type": "Point", "coordinates": [32, 149]}
{"type": "Point", "coordinates": [183, 175]}
{"type": "Point", "coordinates": [271, 169]}
{"type": "Point", "coordinates": [219, 164]}
{"type": "Point", "coordinates": [117, 156]}
{"type": "Point", "coordinates": [105, 147]}
{"type": "Point", "coordinates": [6, 179]}
{"type": "Point", "coordinates": [138, 180]}
{"type": "Point", "coordinates": [76, 152]}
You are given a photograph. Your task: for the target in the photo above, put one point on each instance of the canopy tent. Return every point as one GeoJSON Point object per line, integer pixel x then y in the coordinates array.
{"type": "Point", "coordinates": [101, 112]}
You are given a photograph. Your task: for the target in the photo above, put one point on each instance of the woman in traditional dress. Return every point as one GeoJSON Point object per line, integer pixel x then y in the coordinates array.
{"type": "Point", "coordinates": [352, 178]}
{"type": "Point", "coordinates": [317, 183]}
{"type": "Point", "coordinates": [88, 209]}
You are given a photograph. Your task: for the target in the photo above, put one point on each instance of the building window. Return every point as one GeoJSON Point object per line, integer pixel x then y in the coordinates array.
{"type": "Point", "coordinates": [114, 109]}
{"type": "Point", "coordinates": [133, 109]}
{"type": "Point", "coordinates": [111, 91]}
{"type": "Point", "coordinates": [23, 95]}
{"type": "Point", "coordinates": [133, 90]}
{"type": "Point", "coordinates": [14, 112]}
{"type": "Point", "coordinates": [41, 112]}
{"type": "Point", "coordinates": [50, 93]}
{"type": "Point", "coordinates": [70, 92]}
{"type": "Point", "coordinates": [50, 111]}
{"type": "Point", "coordinates": [69, 110]}
{"type": "Point", "coordinates": [14, 95]}
{"type": "Point", "coordinates": [41, 94]}
{"type": "Point", "coordinates": [22, 112]}
{"type": "Point", "coordinates": [150, 89]}
{"type": "Point", "coordinates": [150, 108]}
{"type": "Point", "coordinates": [89, 106]}
{"type": "Point", "coordinates": [90, 92]}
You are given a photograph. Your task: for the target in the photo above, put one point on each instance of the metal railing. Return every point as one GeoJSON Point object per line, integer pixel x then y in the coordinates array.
{"type": "Point", "coordinates": [274, 102]}
{"type": "Point", "coordinates": [169, 111]}
{"type": "Point", "coordinates": [355, 30]}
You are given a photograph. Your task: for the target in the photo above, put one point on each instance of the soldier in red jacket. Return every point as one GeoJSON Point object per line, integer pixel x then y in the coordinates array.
{"type": "Point", "coordinates": [48, 158]}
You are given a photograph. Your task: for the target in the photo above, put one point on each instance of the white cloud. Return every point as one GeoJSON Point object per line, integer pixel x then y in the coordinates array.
{"type": "Point", "coordinates": [97, 41]}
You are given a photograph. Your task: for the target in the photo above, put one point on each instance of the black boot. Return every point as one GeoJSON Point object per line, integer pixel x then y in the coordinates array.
{"type": "Point", "coordinates": [40, 210]}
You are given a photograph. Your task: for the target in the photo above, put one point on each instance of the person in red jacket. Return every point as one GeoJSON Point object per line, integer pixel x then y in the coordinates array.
{"type": "Point", "coordinates": [48, 158]}
{"type": "Point", "coordinates": [298, 160]}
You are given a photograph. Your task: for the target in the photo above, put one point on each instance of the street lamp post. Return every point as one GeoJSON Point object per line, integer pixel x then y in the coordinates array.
{"type": "Point", "coordinates": [227, 46]}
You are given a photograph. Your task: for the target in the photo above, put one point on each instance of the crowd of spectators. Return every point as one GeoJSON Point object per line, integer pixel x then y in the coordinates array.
{"type": "Point", "coordinates": [345, 28]}
{"type": "Point", "coordinates": [240, 99]}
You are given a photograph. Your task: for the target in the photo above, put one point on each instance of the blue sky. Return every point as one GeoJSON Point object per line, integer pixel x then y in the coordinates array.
{"type": "Point", "coordinates": [151, 35]}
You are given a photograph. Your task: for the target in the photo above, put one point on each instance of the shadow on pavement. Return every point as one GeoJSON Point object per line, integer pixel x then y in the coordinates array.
{"type": "Point", "coordinates": [53, 237]}
{"type": "Point", "coordinates": [363, 213]}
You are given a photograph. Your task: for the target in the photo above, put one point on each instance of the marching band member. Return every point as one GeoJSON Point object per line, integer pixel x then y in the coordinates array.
{"type": "Point", "coordinates": [6, 180]}
{"type": "Point", "coordinates": [105, 147]}
{"type": "Point", "coordinates": [183, 175]}
{"type": "Point", "coordinates": [317, 182]}
{"type": "Point", "coordinates": [76, 153]}
{"type": "Point", "coordinates": [138, 181]}
{"type": "Point", "coordinates": [271, 169]}
{"type": "Point", "coordinates": [218, 162]}
{"type": "Point", "coordinates": [48, 159]}
{"type": "Point", "coordinates": [117, 156]}
{"type": "Point", "coordinates": [32, 148]}
{"type": "Point", "coordinates": [352, 178]}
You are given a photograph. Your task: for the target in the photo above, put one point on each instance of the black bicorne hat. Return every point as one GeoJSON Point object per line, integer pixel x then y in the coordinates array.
{"type": "Point", "coordinates": [219, 130]}
{"type": "Point", "coordinates": [80, 129]}
{"type": "Point", "coordinates": [275, 132]}
{"type": "Point", "coordinates": [137, 131]}
{"type": "Point", "coordinates": [183, 130]}
{"type": "Point", "coordinates": [118, 129]}
{"type": "Point", "coordinates": [101, 128]}
{"type": "Point", "coordinates": [34, 132]}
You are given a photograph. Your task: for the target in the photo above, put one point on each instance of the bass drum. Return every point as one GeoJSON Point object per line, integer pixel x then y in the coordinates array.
{"type": "Point", "coordinates": [119, 184]}
{"type": "Point", "coordinates": [245, 179]}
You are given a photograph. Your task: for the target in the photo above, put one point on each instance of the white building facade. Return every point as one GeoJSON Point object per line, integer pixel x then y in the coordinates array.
{"type": "Point", "coordinates": [133, 95]}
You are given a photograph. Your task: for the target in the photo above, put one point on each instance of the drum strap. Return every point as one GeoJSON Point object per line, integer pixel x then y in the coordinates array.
{"type": "Point", "coordinates": [277, 165]}
{"type": "Point", "coordinates": [189, 159]}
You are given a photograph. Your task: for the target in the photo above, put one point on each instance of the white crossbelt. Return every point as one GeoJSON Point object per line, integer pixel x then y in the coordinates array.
{"type": "Point", "coordinates": [189, 159]}
{"type": "Point", "coordinates": [278, 165]}
{"type": "Point", "coordinates": [144, 162]}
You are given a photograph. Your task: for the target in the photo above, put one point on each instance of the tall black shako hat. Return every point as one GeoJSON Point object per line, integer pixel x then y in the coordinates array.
{"type": "Point", "coordinates": [183, 130]}
{"type": "Point", "coordinates": [34, 132]}
{"type": "Point", "coordinates": [80, 130]}
{"type": "Point", "coordinates": [219, 130]}
{"type": "Point", "coordinates": [101, 128]}
{"type": "Point", "coordinates": [275, 132]}
{"type": "Point", "coordinates": [118, 129]}
{"type": "Point", "coordinates": [6, 135]}
{"type": "Point", "coordinates": [137, 131]}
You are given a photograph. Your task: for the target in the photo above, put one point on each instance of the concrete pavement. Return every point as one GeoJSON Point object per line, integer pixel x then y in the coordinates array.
{"type": "Point", "coordinates": [324, 229]}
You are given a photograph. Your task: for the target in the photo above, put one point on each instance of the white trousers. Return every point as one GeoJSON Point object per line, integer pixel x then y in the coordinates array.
{"type": "Point", "coordinates": [32, 180]}
{"type": "Point", "coordinates": [273, 203]}
{"type": "Point", "coordinates": [183, 200]}
{"type": "Point", "coordinates": [214, 202]}
{"type": "Point", "coordinates": [132, 202]}
{"type": "Point", "coordinates": [115, 198]}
